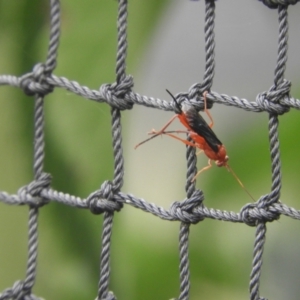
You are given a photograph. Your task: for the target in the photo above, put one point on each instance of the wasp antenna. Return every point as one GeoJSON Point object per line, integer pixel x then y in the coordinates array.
{"type": "Point", "coordinates": [176, 103]}
{"type": "Point", "coordinates": [239, 181]}
{"type": "Point", "coordinates": [150, 138]}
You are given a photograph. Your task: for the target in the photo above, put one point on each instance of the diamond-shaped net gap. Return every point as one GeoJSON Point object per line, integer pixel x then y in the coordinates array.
{"type": "Point", "coordinates": [110, 198]}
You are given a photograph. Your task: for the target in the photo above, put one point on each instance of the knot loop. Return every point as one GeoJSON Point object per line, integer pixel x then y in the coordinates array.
{"type": "Point", "coordinates": [253, 213]}
{"type": "Point", "coordinates": [31, 193]}
{"type": "Point", "coordinates": [196, 101]}
{"type": "Point", "coordinates": [270, 101]}
{"type": "Point", "coordinates": [268, 199]}
{"type": "Point", "coordinates": [17, 291]}
{"type": "Point", "coordinates": [196, 92]}
{"type": "Point", "coordinates": [115, 93]}
{"type": "Point", "coordinates": [185, 210]}
{"type": "Point", "coordinates": [36, 81]}
{"type": "Point", "coordinates": [276, 3]}
{"type": "Point", "coordinates": [103, 200]}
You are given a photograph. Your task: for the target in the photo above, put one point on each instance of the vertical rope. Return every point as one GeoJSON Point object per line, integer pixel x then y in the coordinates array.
{"type": "Point", "coordinates": [257, 261]}
{"type": "Point", "coordinates": [191, 169]}
{"type": "Point", "coordinates": [273, 119]}
{"type": "Point", "coordinates": [275, 155]}
{"type": "Point", "coordinates": [32, 249]}
{"type": "Point", "coordinates": [39, 146]}
{"type": "Point", "coordinates": [103, 292]}
{"type": "Point", "coordinates": [184, 261]}
{"type": "Point", "coordinates": [105, 256]}
{"type": "Point", "coordinates": [122, 41]}
{"type": "Point", "coordinates": [209, 45]}
{"type": "Point", "coordinates": [54, 36]}
{"type": "Point", "coordinates": [191, 151]}
{"type": "Point", "coordinates": [275, 159]}
{"type": "Point", "coordinates": [120, 75]}
{"type": "Point", "coordinates": [117, 148]}
{"type": "Point", "coordinates": [38, 164]}
{"type": "Point", "coordinates": [184, 273]}
{"type": "Point", "coordinates": [209, 51]}
{"type": "Point", "coordinates": [282, 44]}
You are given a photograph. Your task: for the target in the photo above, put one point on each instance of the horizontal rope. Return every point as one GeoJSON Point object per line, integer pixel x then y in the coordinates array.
{"type": "Point", "coordinates": [135, 98]}
{"type": "Point", "coordinates": [199, 212]}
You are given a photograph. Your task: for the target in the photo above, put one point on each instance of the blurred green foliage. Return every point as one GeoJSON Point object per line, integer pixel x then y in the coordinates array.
{"type": "Point", "coordinates": [79, 156]}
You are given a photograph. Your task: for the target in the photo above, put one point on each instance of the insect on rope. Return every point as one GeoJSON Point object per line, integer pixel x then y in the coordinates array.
{"type": "Point", "coordinates": [201, 133]}
{"type": "Point", "coordinates": [109, 197]}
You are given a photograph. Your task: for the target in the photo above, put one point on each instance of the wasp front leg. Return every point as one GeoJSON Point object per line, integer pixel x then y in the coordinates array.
{"type": "Point", "coordinates": [202, 170]}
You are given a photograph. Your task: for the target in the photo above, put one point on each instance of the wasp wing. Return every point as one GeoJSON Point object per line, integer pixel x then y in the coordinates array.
{"type": "Point", "coordinates": [199, 125]}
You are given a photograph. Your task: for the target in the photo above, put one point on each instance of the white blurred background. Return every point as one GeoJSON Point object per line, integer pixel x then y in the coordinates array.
{"type": "Point", "coordinates": [246, 35]}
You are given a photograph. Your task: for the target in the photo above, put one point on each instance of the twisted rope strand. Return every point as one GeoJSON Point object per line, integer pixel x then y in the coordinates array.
{"type": "Point", "coordinates": [282, 44]}
{"type": "Point", "coordinates": [39, 143]}
{"type": "Point", "coordinates": [209, 45]}
{"type": "Point", "coordinates": [95, 95]}
{"type": "Point", "coordinates": [32, 248]}
{"type": "Point", "coordinates": [54, 36]}
{"type": "Point", "coordinates": [122, 41]}
{"type": "Point", "coordinates": [105, 256]}
{"type": "Point", "coordinates": [184, 262]}
{"type": "Point", "coordinates": [257, 261]}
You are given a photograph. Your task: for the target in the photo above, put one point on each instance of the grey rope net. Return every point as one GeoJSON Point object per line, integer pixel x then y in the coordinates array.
{"type": "Point", "coordinates": [109, 198]}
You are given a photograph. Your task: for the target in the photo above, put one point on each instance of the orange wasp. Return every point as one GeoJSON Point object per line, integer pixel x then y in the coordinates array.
{"type": "Point", "coordinates": [200, 132]}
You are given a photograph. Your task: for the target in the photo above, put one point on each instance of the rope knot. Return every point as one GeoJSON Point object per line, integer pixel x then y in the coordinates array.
{"type": "Point", "coordinates": [31, 193]}
{"type": "Point", "coordinates": [195, 97]}
{"type": "Point", "coordinates": [276, 3]}
{"type": "Point", "coordinates": [270, 101]}
{"type": "Point", "coordinates": [253, 213]}
{"type": "Point", "coordinates": [15, 292]}
{"type": "Point", "coordinates": [195, 101]}
{"type": "Point", "coordinates": [246, 216]}
{"type": "Point", "coordinates": [115, 93]}
{"type": "Point", "coordinates": [103, 199]}
{"type": "Point", "coordinates": [185, 210]}
{"type": "Point", "coordinates": [36, 81]}
{"type": "Point", "coordinates": [199, 88]}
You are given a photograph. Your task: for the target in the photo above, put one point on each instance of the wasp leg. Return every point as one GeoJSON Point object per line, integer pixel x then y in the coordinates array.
{"type": "Point", "coordinates": [202, 170]}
